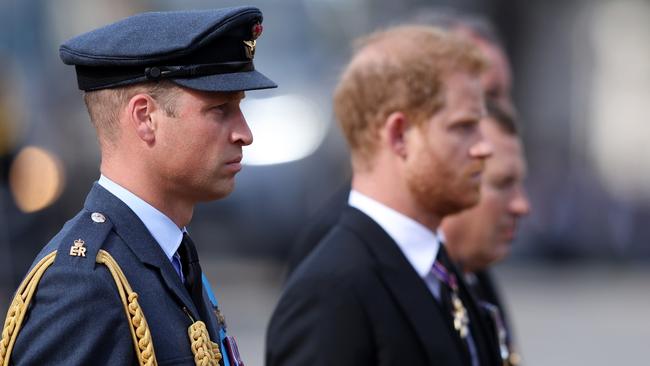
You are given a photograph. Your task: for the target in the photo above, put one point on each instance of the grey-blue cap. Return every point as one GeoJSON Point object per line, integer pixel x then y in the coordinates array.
{"type": "Point", "coordinates": [209, 50]}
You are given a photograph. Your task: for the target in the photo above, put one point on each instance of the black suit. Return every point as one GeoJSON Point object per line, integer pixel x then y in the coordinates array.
{"type": "Point", "coordinates": [484, 288]}
{"type": "Point", "coordinates": [356, 300]}
{"type": "Point", "coordinates": [317, 227]}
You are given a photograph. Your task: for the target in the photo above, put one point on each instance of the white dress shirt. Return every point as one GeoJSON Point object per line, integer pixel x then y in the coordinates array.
{"type": "Point", "coordinates": [161, 227]}
{"type": "Point", "coordinates": [417, 242]}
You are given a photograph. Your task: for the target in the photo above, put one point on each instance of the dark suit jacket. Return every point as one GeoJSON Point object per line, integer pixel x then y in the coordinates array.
{"type": "Point", "coordinates": [317, 227]}
{"type": "Point", "coordinates": [485, 289]}
{"type": "Point", "coordinates": [77, 317]}
{"type": "Point", "coordinates": [356, 300]}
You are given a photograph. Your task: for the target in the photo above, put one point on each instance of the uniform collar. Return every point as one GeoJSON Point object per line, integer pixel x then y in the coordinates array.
{"type": "Point", "coordinates": [161, 227]}
{"type": "Point", "coordinates": [419, 244]}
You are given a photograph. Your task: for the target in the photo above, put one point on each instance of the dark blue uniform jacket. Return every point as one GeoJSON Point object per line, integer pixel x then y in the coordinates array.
{"type": "Point", "coordinates": [77, 316]}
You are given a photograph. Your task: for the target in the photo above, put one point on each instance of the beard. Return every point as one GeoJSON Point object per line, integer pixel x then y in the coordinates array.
{"type": "Point", "coordinates": [441, 188]}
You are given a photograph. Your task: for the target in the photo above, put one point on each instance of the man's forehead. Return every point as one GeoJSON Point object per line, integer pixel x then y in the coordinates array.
{"type": "Point", "coordinates": [210, 97]}
{"type": "Point", "coordinates": [463, 94]}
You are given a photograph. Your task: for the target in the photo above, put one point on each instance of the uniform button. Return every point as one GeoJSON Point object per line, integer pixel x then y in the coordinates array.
{"type": "Point", "coordinates": [97, 217]}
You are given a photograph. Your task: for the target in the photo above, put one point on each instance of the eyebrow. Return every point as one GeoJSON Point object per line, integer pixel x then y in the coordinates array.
{"type": "Point", "coordinates": [235, 96]}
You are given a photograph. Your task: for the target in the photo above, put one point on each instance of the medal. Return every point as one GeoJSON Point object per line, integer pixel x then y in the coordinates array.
{"type": "Point", "coordinates": [459, 312]}
{"type": "Point", "coordinates": [233, 351]}
{"type": "Point", "coordinates": [461, 320]}
{"type": "Point", "coordinates": [509, 357]}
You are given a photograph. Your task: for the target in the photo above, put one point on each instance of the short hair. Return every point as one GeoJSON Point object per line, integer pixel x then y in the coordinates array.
{"type": "Point", "coordinates": [104, 105]}
{"type": "Point", "coordinates": [398, 69]}
{"type": "Point", "coordinates": [505, 119]}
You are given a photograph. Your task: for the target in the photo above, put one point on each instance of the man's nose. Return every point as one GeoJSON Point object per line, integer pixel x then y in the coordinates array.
{"type": "Point", "coordinates": [481, 150]}
{"type": "Point", "coordinates": [520, 205]}
{"type": "Point", "coordinates": [242, 134]}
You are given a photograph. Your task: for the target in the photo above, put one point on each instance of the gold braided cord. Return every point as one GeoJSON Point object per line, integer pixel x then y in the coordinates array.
{"type": "Point", "coordinates": [18, 307]}
{"type": "Point", "coordinates": [206, 352]}
{"type": "Point", "coordinates": [137, 323]}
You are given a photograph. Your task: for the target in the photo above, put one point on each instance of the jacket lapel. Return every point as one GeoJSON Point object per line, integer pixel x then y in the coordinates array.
{"type": "Point", "coordinates": [409, 291]}
{"type": "Point", "coordinates": [137, 237]}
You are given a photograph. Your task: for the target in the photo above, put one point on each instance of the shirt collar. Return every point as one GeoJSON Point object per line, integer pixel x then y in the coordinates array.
{"type": "Point", "coordinates": [419, 244]}
{"type": "Point", "coordinates": [161, 227]}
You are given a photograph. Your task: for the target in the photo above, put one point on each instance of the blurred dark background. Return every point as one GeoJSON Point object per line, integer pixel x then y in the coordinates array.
{"type": "Point", "coordinates": [582, 85]}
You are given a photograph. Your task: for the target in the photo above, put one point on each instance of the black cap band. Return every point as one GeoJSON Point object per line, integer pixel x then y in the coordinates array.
{"type": "Point", "coordinates": [93, 78]}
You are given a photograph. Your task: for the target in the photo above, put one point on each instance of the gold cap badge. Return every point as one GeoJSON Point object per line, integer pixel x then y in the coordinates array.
{"type": "Point", "coordinates": [256, 31]}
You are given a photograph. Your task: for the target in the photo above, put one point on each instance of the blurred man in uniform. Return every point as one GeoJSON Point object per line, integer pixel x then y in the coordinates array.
{"type": "Point", "coordinates": [379, 288]}
{"type": "Point", "coordinates": [481, 236]}
{"type": "Point", "coordinates": [121, 283]}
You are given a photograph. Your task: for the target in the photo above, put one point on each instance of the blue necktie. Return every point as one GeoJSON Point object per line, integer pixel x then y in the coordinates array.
{"type": "Point", "coordinates": [176, 263]}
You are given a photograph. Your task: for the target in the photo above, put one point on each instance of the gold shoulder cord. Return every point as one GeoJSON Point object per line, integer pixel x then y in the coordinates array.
{"type": "Point", "coordinates": [206, 352]}
{"type": "Point", "coordinates": [18, 307]}
{"type": "Point", "coordinates": [137, 322]}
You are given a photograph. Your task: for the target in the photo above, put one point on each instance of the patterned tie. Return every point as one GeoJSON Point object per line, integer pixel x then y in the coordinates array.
{"type": "Point", "coordinates": [191, 270]}
{"type": "Point", "coordinates": [454, 302]}
{"type": "Point", "coordinates": [450, 294]}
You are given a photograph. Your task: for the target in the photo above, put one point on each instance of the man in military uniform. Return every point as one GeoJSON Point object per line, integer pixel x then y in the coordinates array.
{"type": "Point", "coordinates": [379, 288]}
{"type": "Point", "coordinates": [125, 286]}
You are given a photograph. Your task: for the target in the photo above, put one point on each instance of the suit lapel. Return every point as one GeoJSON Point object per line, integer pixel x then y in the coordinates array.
{"type": "Point", "coordinates": [409, 290]}
{"type": "Point", "coordinates": [137, 237]}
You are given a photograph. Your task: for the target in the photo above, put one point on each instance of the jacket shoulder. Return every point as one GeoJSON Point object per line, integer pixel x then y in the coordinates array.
{"type": "Point", "coordinates": [79, 241]}
{"type": "Point", "coordinates": [340, 262]}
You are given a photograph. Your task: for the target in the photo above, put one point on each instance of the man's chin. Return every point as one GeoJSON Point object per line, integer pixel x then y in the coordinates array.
{"type": "Point", "coordinates": [457, 206]}
{"type": "Point", "coordinates": [468, 200]}
{"type": "Point", "coordinates": [217, 193]}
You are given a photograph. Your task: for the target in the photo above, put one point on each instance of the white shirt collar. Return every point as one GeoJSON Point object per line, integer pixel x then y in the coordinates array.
{"type": "Point", "coordinates": [419, 244]}
{"type": "Point", "coordinates": [161, 227]}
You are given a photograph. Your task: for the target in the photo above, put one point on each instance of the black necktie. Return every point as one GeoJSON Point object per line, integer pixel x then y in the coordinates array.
{"type": "Point", "coordinates": [191, 270]}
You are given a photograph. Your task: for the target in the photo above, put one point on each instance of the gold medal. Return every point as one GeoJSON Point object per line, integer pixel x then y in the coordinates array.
{"type": "Point", "coordinates": [461, 320]}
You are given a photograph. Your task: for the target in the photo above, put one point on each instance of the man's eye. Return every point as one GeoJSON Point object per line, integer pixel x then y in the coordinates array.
{"type": "Point", "coordinates": [504, 183]}
{"type": "Point", "coordinates": [466, 126]}
{"type": "Point", "coordinates": [220, 109]}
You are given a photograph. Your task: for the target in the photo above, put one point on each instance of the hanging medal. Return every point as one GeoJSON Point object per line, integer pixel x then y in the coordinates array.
{"type": "Point", "coordinates": [461, 320]}
{"type": "Point", "coordinates": [459, 312]}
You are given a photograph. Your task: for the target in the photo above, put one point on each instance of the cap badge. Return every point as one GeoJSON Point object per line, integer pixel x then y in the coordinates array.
{"type": "Point", "coordinates": [256, 31]}
{"type": "Point", "coordinates": [78, 249]}
{"type": "Point", "coordinates": [250, 49]}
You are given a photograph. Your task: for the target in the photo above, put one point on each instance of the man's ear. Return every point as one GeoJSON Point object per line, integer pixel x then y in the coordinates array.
{"type": "Point", "coordinates": [140, 111]}
{"type": "Point", "coordinates": [394, 133]}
